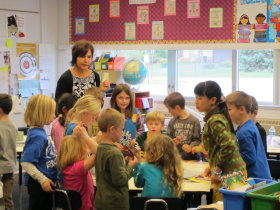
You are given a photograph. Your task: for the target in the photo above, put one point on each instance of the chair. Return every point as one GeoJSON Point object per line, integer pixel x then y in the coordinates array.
{"type": "Point", "coordinates": [274, 166]}
{"type": "Point", "coordinates": [159, 203]}
{"type": "Point", "coordinates": [66, 199]}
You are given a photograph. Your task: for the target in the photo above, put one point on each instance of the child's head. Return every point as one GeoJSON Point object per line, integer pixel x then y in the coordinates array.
{"type": "Point", "coordinates": [71, 150]}
{"type": "Point", "coordinates": [260, 18]}
{"type": "Point", "coordinates": [208, 94]}
{"type": "Point", "coordinates": [111, 122]}
{"type": "Point", "coordinates": [6, 104]}
{"type": "Point", "coordinates": [85, 110]}
{"type": "Point", "coordinates": [64, 104]}
{"type": "Point", "coordinates": [122, 99]}
{"type": "Point", "coordinates": [254, 109]}
{"type": "Point", "coordinates": [40, 111]}
{"type": "Point", "coordinates": [174, 102]}
{"type": "Point", "coordinates": [160, 150]}
{"type": "Point", "coordinates": [244, 20]}
{"type": "Point", "coordinates": [239, 105]}
{"type": "Point", "coordinates": [155, 121]}
{"type": "Point", "coordinates": [96, 92]}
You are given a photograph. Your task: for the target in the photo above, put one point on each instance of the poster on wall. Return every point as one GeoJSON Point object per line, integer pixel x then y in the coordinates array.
{"type": "Point", "coordinates": [169, 7]}
{"type": "Point", "coordinates": [114, 8]}
{"type": "Point", "coordinates": [273, 18]}
{"type": "Point", "coordinates": [143, 15]}
{"type": "Point", "coordinates": [216, 18]}
{"type": "Point", "coordinates": [12, 26]}
{"type": "Point", "coordinates": [247, 16]}
{"type": "Point", "coordinates": [130, 31]}
{"type": "Point", "coordinates": [193, 9]}
{"type": "Point", "coordinates": [94, 13]}
{"type": "Point", "coordinates": [157, 30]}
{"type": "Point", "coordinates": [21, 26]}
{"type": "Point", "coordinates": [26, 53]}
{"type": "Point", "coordinates": [79, 26]}
{"type": "Point", "coordinates": [5, 72]}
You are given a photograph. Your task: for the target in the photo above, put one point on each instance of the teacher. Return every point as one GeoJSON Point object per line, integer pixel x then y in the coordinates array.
{"type": "Point", "coordinates": [80, 78]}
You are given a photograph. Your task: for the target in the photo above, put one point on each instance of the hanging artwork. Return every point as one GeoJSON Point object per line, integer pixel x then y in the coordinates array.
{"type": "Point", "coordinates": [216, 18]}
{"type": "Point", "coordinates": [142, 15]}
{"type": "Point", "coordinates": [169, 7]}
{"type": "Point", "coordinates": [157, 31]}
{"type": "Point", "coordinates": [130, 31]}
{"type": "Point", "coordinates": [193, 9]}
{"type": "Point", "coordinates": [94, 13]}
{"type": "Point", "coordinates": [79, 26]}
{"type": "Point", "coordinates": [114, 8]}
{"type": "Point", "coordinates": [12, 26]}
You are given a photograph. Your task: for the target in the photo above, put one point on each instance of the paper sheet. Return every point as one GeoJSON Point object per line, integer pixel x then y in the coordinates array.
{"type": "Point", "coordinates": [27, 88]}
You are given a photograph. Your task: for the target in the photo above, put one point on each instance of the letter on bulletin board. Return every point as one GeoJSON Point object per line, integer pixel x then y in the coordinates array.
{"type": "Point", "coordinates": [157, 29]}
{"type": "Point", "coordinates": [216, 18]}
{"type": "Point", "coordinates": [79, 26]}
{"type": "Point", "coordinates": [142, 1]}
{"type": "Point", "coordinates": [169, 7]}
{"type": "Point", "coordinates": [94, 13]}
{"type": "Point", "coordinates": [114, 8]}
{"type": "Point", "coordinates": [193, 9]}
{"type": "Point", "coordinates": [143, 15]}
{"type": "Point", "coordinates": [130, 31]}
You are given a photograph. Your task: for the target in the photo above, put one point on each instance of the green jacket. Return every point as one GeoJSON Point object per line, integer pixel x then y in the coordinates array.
{"type": "Point", "coordinates": [141, 139]}
{"type": "Point", "coordinates": [112, 177]}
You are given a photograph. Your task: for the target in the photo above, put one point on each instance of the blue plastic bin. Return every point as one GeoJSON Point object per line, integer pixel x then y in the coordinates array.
{"type": "Point", "coordinates": [234, 200]}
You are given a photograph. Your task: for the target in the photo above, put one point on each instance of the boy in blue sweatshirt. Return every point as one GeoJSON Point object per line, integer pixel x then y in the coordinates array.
{"type": "Point", "coordinates": [247, 134]}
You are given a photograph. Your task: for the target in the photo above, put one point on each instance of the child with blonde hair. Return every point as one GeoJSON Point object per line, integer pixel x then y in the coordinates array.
{"type": "Point", "coordinates": [155, 123]}
{"type": "Point", "coordinates": [85, 110]}
{"type": "Point", "coordinates": [93, 129]}
{"type": "Point", "coordinates": [75, 164]}
{"type": "Point", "coordinates": [83, 114]}
{"type": "Point", "coordinates": [161, 175]}
{"type": "Point", "coordinates": [38, 157]}
{"type": "Point", "coordinates": [112, 170]}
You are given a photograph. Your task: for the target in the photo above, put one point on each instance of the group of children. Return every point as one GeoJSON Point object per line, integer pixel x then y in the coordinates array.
{"type": "Point", "coordinates": [116, 153]}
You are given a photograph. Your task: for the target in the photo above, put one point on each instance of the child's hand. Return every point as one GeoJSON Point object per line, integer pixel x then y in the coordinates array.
{"type": "Point", "coordinates": [132, 162]}
{"type": "Point", "coordinates": [98, 136]}
{"type": "Point", "coordinates": [215, 178]}
{"type": "Point", "coordinates": [47, 185]}
{"type": "Point", "coordinates": [186, 148]}
{"type": "Point", "coordinates": [132, 142]}
{"type": "Point", "coordinates": [136, 153]}
{"type": "Point", "coordinates": [120, 147]}
{"type": "Point", "coordinates": [80, 130]}
{"type": "Point", "coordinates": [104, 85]}
{"type": "Point", "coordinates": [207, 172]}
{"type": "Point", "coordinates": [178, 139]}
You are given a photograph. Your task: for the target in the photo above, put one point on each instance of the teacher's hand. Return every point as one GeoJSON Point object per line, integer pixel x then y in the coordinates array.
{"type": "Point", "coordinates": [105, 85]}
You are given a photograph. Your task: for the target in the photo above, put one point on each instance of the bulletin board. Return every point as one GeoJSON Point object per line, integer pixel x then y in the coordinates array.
{"type": "Point", "coordinates": [177, 28]}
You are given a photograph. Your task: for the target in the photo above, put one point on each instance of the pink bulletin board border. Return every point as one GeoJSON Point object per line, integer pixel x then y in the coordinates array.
{"type": "Point", "coordinates": [198, 16]}
{"type": "Point", "coordinates": [108, 32]}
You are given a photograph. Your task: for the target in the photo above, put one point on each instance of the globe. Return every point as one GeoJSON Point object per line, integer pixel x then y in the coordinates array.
{"type": "Point", "coordinates": [134, 72]}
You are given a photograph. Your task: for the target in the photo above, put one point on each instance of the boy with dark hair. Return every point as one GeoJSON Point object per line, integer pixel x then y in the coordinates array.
{"type": "Point", "coordinates": [184, 128]}
{"type": "Point", "coordinates": [253, 114]}
{"type": "Point", "coordinates": [248, 137]}
{"type": "Point", "coordinates": [8, 156]}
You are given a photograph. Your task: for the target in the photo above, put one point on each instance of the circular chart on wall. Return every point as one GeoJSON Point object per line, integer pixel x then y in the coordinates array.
{"type": "Point", "coordinates": [27, 64]}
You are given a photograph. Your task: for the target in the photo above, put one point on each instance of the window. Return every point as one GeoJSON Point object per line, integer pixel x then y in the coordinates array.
{"type": "Point", "coordinates": [156, 63]}
{"type": "Point", "coordinates": [196, 66]}
{"type": "Point", "coordinates": [256, 73]}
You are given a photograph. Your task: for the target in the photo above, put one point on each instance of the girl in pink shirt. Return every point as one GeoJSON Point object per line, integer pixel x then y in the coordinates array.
{"type": "Point", "coordinates": [75, 164]}
{"type": "Point", "coordinates": [65, 102]}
